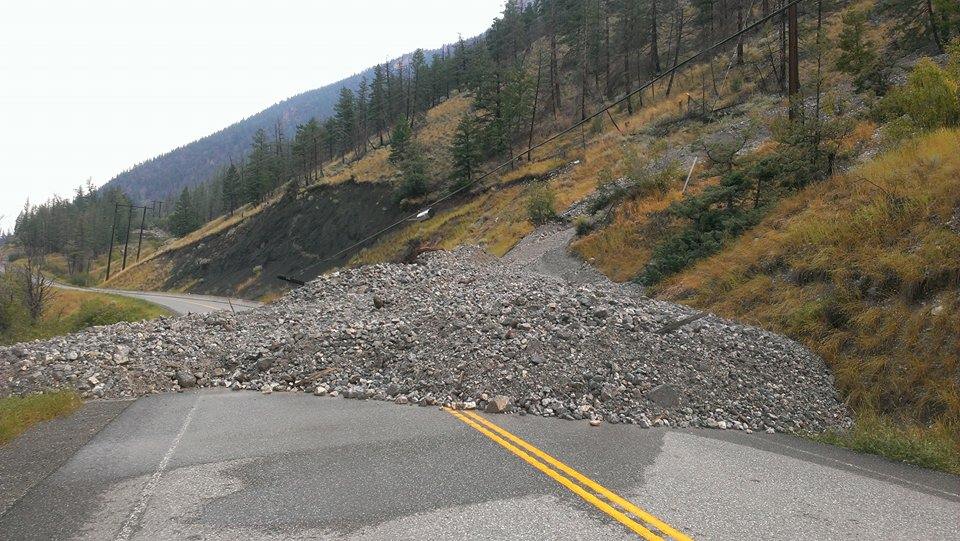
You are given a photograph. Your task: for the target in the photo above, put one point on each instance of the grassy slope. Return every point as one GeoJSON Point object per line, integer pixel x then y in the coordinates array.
{"type": "Point", "coordinates": [434, 134]}
{"type": "Point", "coordinates": [17, 414]}
{"type": "Point", "coordinates": [497, 218]}
{"type": "Point", "coordinates": [71, 311]}
{"type": "Point", "coordinates": [863, 269]}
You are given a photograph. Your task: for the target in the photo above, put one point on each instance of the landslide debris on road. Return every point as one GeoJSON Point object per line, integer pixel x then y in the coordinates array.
{"type": "Point", "coordinates": [460, 327]}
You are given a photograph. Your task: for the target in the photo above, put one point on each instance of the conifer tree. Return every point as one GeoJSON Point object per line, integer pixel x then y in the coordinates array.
{"type": "Point", "coordinates": [231, 189]}
{"type": "Point", "coordinates": [378, 101]}
{"type": "Point", "coordinates": [466, 151]}
{"type": "Point", "coordinates": [399, 141]}
{"type": "Point", "coordinates": [185, 219]}
{"type": "Point", "coordinates": [414, 182]}
{"type": "Point", "coordinates": [346, 122]}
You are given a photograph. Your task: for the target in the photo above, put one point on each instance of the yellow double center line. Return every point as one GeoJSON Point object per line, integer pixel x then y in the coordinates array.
{"type": "Point", "coordinates": [642, 523]}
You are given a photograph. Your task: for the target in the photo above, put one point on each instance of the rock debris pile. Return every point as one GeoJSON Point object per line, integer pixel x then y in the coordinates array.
{"type": "Point", "coordinates": [461, 329]}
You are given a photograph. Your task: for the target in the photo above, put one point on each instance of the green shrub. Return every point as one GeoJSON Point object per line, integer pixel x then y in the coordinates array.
{"type": "Point", "coordinates": [929, 100]}
{"type": "Point", "coordinates": [583, 224]}
{"type": "Point", "coordinates": [596, 125]}
{"type": "Point", "coordinates": [718, 214]}
{"type": "Point", "coordinates": [82, 279]}
{"type": "Point", "coordinates": [541, 205]}
{"type": "Point", "coordinates": [645, 179]}
{"type": "Point", "coordinates": [953, 61]}
{"type": "Point", "coordinates": [736, 84]}
{"type": "Point", "coordinates": [95, 312]}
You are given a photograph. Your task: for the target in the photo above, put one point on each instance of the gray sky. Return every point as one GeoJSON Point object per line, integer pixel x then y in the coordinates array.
{"type": "Point", "coordinates": [89, 89]}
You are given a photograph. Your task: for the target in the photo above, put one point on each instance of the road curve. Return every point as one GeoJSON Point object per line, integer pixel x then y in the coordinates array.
{"type": "Point", "coordinates": [222, 465]}
{"type": "Point", "coordinates": [178, 303]}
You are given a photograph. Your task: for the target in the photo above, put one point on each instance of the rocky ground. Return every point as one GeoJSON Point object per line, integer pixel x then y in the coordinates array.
{"type": "Point", "coordinates": [465, 329]}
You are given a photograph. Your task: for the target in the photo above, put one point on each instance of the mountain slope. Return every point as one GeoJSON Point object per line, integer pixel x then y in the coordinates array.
{"type": "Point", "coordinates": [191, 164]}
{"type": "Point", "coordinates": [166, 175]}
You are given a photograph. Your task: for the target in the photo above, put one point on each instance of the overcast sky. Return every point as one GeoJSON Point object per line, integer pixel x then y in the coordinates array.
{"type": "Point", "coordinates": [89, 89]}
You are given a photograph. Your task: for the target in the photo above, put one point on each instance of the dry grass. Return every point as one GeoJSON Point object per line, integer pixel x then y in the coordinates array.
{"type": "Point", "coordinates": [496, 219]}
{"type": "Point", "coordinates": [148, 275]}
{"type": "Point", "coordinates": [434, 135]}
{"type": "Point", "coordinates": [622, 249]}
{"type": "Point", "coordinates": [531, 170]}
{"type": "Point", "coordinates": [864, 270]}
{"type": "Point", "coordinates": [70, 311]}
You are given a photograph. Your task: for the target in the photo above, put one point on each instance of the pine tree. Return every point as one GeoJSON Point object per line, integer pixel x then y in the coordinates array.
{"type": "Point", "coordinates": [858, 55]}
{"type": "Point", "coordinates": [363, 114]}
{"type": "Point", "coordinates": [400, 139]}
{"type": "Point", "coordinates": [923, 21]}
{"type": "Point", "coordinates": [466, 151]}
{"type": "Point", "coordinates": [414, 181]}
{"type": "Point", "coordinates": [378, 101]}
{"type": "Point", "coordinates": [346, 122]}
{"type": "Point", "coordinates": [418, 72]}
{"type": "Point", "coordinates": [185, 219]}
{"type": "Point", "coordinates": [307, 147]}
{"type": "Point", "coordinates": [329, 137]}
{"type": "Point", "coordinates": [257, 179]}
{"type": "Point", "coordinates": [231, 189]}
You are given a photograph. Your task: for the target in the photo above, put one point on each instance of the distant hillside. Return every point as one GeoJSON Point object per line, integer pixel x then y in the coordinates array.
{"type": "Point", "coordinates": [189, 165]}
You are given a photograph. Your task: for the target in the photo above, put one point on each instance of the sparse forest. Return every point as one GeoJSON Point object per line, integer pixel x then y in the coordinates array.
{"type": "Point", "coordinates": [540, 67]}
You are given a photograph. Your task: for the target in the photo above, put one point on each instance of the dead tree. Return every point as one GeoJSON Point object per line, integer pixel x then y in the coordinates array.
{"type": "Point", "coordinates": [38, 289]}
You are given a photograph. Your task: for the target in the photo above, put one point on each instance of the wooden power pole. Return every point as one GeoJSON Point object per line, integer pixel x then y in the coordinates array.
{"type": "Point", "coordinates": [143, 219]}
{"type": "Point", "coordinates": [126, 242]}
{"type": "Point", "coordinates": [113, 233]}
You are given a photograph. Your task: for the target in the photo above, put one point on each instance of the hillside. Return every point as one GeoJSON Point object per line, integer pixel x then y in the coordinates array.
{"type": "Point", "coordinates": [830, 218]}
{"type": "Point", "coordinates": [165, 176]}
{"type": "Point", "coordinates": [864, 269]}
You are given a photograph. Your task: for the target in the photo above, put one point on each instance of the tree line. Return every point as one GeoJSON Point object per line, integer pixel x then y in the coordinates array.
{"type": "Point", "coordinates": [78, 228]}
{"type": "Point", "coordinates": [541, 63]}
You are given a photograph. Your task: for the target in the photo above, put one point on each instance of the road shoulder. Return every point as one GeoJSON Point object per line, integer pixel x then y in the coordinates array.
{"type": "Point", "coordinates": [43, 448]}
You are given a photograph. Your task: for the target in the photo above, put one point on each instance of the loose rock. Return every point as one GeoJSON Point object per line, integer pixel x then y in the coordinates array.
{"type": "Point", "coordinates": [458, 325]}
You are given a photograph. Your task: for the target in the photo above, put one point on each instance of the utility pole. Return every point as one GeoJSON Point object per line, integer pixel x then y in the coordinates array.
{"type": "Point", "coordinates": [793, 87]}
{"type": "Point", "coordinates": [143, 219]}
{"type": "Point", "coordinates": [113, 233]}
{"type": "Point", "coordinates": [126, 242]}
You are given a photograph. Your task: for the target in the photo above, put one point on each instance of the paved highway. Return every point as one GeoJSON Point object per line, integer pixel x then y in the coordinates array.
{"type": "Point", "coordinates": [223, 465]}
{"type": "Point", "coordinates": [179, 303]}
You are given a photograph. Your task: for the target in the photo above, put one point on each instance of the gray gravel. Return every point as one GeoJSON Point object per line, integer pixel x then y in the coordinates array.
{"type": "Point", "coordinates": [459, 328]}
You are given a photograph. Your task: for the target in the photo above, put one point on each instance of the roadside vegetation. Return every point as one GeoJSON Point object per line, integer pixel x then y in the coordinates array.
{"type": "Point", "coordinates": [43, 311]}
{"type": "Point", "coordinates": [17, 414]}
{"type": "Point", "coordinates": [863, 269]}
{"type": "Point", "coordinates": [934, 448]}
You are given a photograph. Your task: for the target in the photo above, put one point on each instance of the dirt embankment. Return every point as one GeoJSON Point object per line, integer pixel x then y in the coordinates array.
{"type": "Point", "coordinates": [292, 238]}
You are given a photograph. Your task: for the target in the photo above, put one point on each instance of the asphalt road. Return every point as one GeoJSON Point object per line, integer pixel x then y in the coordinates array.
{"type": "Point", "coordinates": [179, 303]}
{"type": "Point", "coordinates": [223, 465]}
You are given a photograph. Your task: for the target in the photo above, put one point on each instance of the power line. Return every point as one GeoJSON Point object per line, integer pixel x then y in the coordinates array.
{"type": "Point", "coordinates": [585, 120]}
